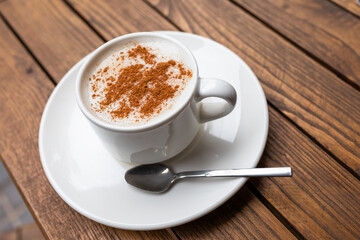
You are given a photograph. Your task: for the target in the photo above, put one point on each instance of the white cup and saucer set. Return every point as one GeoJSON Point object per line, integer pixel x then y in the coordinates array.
{"type": "Point", "coordinates": [85, 158]}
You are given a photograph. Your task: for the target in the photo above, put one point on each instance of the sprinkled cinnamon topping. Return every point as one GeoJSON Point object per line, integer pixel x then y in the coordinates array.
{"type": "Point", "coordinates": [140, 86]}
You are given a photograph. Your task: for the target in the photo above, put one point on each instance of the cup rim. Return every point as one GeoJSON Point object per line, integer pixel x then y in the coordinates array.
{"type": "Point", "coordinates": [148, 126]}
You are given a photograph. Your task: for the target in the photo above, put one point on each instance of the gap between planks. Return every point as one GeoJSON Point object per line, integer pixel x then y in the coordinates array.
{"type": "Point", "coordinates": [345, 9]}
{"type": "Point", "coordinates": [169, 230]}
{"type": "Point", "coordinates": [309, 54]}
{"type": "Point", "coordinates": [8, 25]}
{"type": "Point", "coordinates": [346, 167]}
{"type": "Point", "coordinates": [103, 37]}
{"type": "Point", "coordinates": [162, 15]}
{"type": "Point", "coordinates": [322, 63]}
{"type": "Point", "coordinates": [274, 211]}
{"type": "Point", "coordinates": [85, 21]}
{"type": "Point", "coordinates": [256, 193]}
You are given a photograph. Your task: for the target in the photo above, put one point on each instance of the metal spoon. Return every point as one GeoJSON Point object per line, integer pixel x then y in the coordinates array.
{"type": "Point", "coordinates": [158, 177]}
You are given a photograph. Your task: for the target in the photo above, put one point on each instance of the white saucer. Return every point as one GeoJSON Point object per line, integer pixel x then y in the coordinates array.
{"type": "Point", "coordinates": [92, 182]}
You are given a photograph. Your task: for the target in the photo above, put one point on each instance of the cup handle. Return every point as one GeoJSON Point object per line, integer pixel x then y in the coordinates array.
{"type": "Point", "coordinates": [212, 87]}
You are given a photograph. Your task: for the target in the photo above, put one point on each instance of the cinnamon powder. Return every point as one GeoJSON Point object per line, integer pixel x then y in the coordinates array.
{"type": "Point", "coordinates": [141, 88]}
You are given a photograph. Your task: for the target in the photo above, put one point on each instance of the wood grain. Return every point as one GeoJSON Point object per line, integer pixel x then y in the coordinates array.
{"type": "Point", "coordinates": [25, 90]}
{"type": "Point", "coordinates": [322, 28]}
{"type": "Point", "coordinates": [298, 93]}
{"type": "Point", "coordinates": [350, 5]}
{"type": "Point", "coordinates": [63, 48]}
{"type": "Point", "coordinates": [250, 213]}
{"type": "Point", "coordinates": [71, 39]}
{"type": "Point", "coordinates": [239, 218]}
{"type": "Point", "coordinates": [113, 18]}
{"type": "Point", "coordinates": [322, 200]}
{"type": "Point", "coordinates": [311, 96]}
{"type": "Point", "coordinates": [319, 206]}
{"type": "Point", "coordinates": [317, 212]}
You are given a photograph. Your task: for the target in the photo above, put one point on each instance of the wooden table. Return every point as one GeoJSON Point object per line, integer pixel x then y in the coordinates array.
{"type": "Point", "coordinates": [306, 55]}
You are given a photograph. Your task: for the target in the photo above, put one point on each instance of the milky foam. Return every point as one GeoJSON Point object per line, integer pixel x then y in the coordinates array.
{"type": "Point", "coordinates": [98, 82]}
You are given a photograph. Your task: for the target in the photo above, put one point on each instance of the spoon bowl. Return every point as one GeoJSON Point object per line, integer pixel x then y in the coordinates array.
{"type": "Point", "coordinates": [152, 177]}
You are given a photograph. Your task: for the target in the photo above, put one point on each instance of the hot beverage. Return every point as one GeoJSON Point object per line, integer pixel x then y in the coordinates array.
{"type": "Point", "coordinates": [142, 95]}
{"type": "Point", "coordinates": [138, 83]}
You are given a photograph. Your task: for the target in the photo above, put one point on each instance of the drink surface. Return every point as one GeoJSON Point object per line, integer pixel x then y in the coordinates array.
{"type": "Point", "coordinates": [138, 83]}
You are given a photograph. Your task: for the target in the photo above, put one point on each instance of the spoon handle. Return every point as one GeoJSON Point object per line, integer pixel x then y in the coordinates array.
{"type": "Point", "coordinates": [245, 172]}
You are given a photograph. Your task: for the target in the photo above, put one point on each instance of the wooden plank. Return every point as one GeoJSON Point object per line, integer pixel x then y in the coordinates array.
{"type": "Point", "coordinates": [350, 5]}
{"type": "Point", "coordinates": [308, 179]}
{"type": "Point", "coordinates": [322, 200]}
{"type": "Point", "coordinates": [113, 18]}
{"type": "Point", "coordinates": [242, 217]}
{"type": "Point", "coordinates": [317, 205]}
{"type": "Point", "coordinates": [62, 38]}
{"type": "Point", "coordinates": [70, 38]}
{"type": "Point", "coordinates": [25, 90]}
{"type": "Point", "coordinates": [310, 95]}
{"type": "Point", "coordinates": [314, 98]}
{"type": "Point", "coordinates": [325, 30]}
{"type": "Point", "coordinates": [257, 206]}
{"type": "Point", "coordinates": [154, 20]}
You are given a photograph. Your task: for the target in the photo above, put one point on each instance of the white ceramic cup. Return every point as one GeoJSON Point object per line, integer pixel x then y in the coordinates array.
{"type": "Point", "coordinates": [165, 137]}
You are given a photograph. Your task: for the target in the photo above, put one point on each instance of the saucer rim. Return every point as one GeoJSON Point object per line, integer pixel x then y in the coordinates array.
{"type": "Point", "coordinates": [166, 224]}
